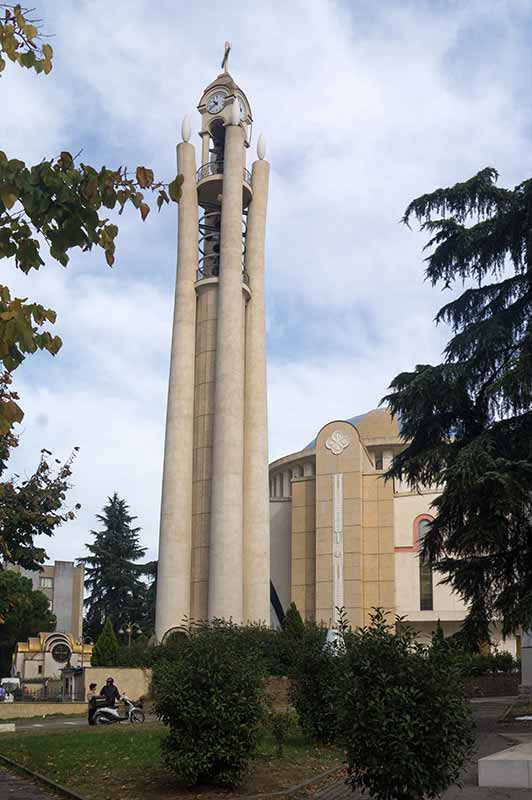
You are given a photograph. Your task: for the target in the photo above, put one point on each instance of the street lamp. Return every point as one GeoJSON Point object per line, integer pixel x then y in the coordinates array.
{"type": "Point", "coordinates": [130, 628]}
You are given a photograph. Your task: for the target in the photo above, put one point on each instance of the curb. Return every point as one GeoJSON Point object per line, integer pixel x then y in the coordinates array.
{"type": "Point", "coordinates": [7, 727]}
{"type": "Point", "coordinates": [38, 778]}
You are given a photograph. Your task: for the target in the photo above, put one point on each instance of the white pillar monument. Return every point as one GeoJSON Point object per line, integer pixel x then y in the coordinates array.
{"type": "Point", "coordinates": [214, 530]}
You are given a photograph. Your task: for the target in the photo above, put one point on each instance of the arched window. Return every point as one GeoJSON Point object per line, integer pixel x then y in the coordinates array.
{"type": "Point", "coordinates": [426, 594]}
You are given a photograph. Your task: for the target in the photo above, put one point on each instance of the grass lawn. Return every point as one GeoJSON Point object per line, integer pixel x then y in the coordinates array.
{"type": "Point", "coordinates": [124, 761]}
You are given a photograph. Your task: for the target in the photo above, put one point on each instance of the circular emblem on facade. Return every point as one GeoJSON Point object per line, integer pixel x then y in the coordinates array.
{"type": "Point", "coordinates": [337, 442]}
{"type": "Point", "coordinates": [60, 653]}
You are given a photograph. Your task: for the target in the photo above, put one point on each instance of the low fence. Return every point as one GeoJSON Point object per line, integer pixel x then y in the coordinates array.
{"type": "Point", "coordinates": [46, 691]}
{"type": "Point", "coordinates": [24, 710]}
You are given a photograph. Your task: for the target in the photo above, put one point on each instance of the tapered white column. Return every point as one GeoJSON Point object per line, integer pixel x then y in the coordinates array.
{"type": "Point", "coordinates": [256, 483]}
{"type": "Point", "coordinates": [173, 577]}
{"type": "Point", "coordinates": [225, 554]}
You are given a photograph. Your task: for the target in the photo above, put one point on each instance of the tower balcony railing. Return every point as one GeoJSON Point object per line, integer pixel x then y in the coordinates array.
{"type": "Point", "coordinates": [209, 267]}
{"type": "Point", "coordinates": [217, 168]}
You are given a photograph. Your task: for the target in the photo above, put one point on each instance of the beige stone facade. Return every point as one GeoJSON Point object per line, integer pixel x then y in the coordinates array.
{"type": "Point", "coordinates": [62, 583]}
{"type": "Point", "coordinates": [46, 655]}
{"type": "Point", "coordinates": [351, 538]}
{"type": "Point", "coordinates": [214, 540]}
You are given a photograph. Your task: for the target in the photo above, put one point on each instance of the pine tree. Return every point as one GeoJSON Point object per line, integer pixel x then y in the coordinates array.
{"type": "Point", "coordinates": [293, 625]}
{"type": "Point", "coordinates": [106, 649]}
{"type": "Point", "coordinates": [112, 576]}
{"type": "Point", "coordinates": [467, 422]}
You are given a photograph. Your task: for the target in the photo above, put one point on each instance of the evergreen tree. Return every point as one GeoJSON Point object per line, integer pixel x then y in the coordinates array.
{"type": "Point", "coordinates": [112, 576]}
{"type": "Point", "coordinates": [106, 649]}
{"type": "Point", "coordinates": [467, 422]}
{"type": "Point", "coordinates": [293, 625]}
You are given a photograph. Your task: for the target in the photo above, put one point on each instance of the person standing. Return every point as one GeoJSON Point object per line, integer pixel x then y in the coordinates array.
{"type": "Point", "coordinates": [91, 699]}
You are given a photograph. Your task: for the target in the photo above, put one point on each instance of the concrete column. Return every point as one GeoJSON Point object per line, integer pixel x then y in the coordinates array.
{"type": "Point", "coordinates": [173, 577]}
{"type": "Point", "coordinates": [204, 379]}
{"type": "Point", "coordinates": [225, 555]}
{"type": "Point", "coordinates": [526, 663]}
{"type": "Point", "coordinates": [256, 502]}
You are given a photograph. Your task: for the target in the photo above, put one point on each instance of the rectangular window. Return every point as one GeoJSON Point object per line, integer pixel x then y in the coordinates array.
{"type": "Point", "coordinates": [39, 669]}
{"type": "Point", "coordinates": [378, 461]}
{"type": "Point", "coordinates": [46, 583]}
{"type": "Point", "coordinates": [426, 594]}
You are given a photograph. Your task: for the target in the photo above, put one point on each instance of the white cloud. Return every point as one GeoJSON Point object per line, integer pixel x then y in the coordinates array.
{"type": "Point", "coordinates": [363, 106]}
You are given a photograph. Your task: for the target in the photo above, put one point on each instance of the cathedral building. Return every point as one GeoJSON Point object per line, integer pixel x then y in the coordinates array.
{"type": "Point", "coordinates": [343, 537]}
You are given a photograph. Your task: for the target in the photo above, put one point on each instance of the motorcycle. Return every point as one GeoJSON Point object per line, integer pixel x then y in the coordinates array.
{"type": "Point", "coordinates": [108, 715]}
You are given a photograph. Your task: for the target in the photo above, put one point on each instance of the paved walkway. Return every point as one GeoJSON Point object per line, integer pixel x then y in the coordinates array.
{"type": "Point", "coordinates": [12, 787]}
{"type": "Point", "coordinates": [59, 723]}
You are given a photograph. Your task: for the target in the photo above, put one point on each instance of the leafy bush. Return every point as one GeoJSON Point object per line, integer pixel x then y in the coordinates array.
{"type": "Point", "coordinates": [211, 697]}
{"type": "Point", "coordinates": [401, 714]}
{"type": "Point", "coordinates": [269, 646]}
{"type": "Point", "coordinates": [504, 662]}
{"type": "Point", "coordinates": [314, 673]}
{"type": "Point", "coordinates": [281, 723]}
{"type": "Point", "coordinates": [473, 663]}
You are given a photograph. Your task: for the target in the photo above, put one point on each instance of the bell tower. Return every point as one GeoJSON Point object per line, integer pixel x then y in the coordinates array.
{"type": "Point", "coordinates": [214, 530]}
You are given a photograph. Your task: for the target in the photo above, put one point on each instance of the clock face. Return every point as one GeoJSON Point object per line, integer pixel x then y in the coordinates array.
{"type": "Point", "coordinates": [215, 103]}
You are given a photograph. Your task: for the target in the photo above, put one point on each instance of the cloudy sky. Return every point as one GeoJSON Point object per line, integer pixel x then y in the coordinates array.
{"type": "Point", "coordinates": [363, 105]}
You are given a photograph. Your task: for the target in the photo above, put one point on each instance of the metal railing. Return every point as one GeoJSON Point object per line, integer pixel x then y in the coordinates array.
{"type": "Point", "coordinates": [217, 168]}
{"type": "Point", "coordinates": [210, 268]}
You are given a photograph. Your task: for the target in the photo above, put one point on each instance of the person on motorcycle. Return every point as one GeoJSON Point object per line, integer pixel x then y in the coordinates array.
{"type": "Point", "coordinates": [110, 692]}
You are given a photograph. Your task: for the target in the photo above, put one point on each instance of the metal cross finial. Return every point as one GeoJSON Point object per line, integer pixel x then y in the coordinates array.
{"type": "Point", "coordinates": [226, 56]}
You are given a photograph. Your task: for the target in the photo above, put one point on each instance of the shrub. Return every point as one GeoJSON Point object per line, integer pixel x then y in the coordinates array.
{"type": "Point", "coordinates": [314, 674]}
{"type": "Point", "coordinates": [401, 713]}
{"type": "Point", "coordinates": [211, 697]}
{"type": "Point", "coordinates": [269, 646]}
{"type": "Point", "coordinates": [503, 662]}
{"type": "Point", "coordinates": [281, 723]}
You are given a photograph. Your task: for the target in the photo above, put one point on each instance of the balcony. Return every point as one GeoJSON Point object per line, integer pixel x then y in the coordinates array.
{"type": "Point", "coordinates": [209, 178]}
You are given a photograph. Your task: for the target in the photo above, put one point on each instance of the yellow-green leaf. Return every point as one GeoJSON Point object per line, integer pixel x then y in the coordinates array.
{"type": "Point", "coordinates": [9, 198]}
{"type": "Point", "coordinates": [144, 177]}
{"type": "Point", "coordinates": [174, 189]}
{"type": "Point", "coordinates": [12, 412]}
{"type": "Point", "coordinates": [30, 31]}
